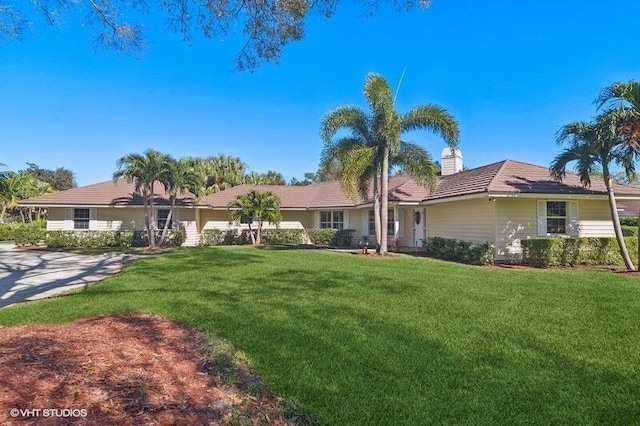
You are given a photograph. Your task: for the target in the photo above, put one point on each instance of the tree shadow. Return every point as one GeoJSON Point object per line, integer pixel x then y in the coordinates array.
{"type": "Point", "coordinates": [28, 275]}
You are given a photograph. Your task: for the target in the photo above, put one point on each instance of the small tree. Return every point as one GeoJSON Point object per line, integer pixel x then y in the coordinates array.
{"type": "Point", "coordinates": [255, 207]}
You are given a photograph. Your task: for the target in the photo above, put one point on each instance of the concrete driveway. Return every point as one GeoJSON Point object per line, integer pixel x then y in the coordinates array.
{"type": "Point", "coordinates": [36, 274]}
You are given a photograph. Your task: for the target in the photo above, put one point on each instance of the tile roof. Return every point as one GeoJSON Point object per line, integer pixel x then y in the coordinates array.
{"type": "Point", "coordinates": [108, 193]}
{"type": "Point", "coordinates": [508, 176]}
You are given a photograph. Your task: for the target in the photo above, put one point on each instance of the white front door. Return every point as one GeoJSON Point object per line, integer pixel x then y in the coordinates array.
{"type": "Point", "coordinates": [418, 227]}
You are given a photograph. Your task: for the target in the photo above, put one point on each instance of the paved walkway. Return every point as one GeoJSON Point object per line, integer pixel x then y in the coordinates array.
{"type": "Point", "coordinates": [37, 274]}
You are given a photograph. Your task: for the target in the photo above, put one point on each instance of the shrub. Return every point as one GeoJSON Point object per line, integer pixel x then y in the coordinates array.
{"type": "Point", "coordinates": [629, 231]}
{"type": "Point", "coordinates": [28, 235]}
{"type": "Point", "coordinates": [211, 237]}
{"type": "Point", "coordinates": [6, 231]}
{"type": "Point", "coordinates": [282, 236]}
{"type": "Point", "coordinates": [104, 239]}
{"type": "Point", "coordinates": [331, 237]}
{"type": "Point", "coordinates": [629, 221]}
{"type": "Point", "coordinates": [459, 251]}
{"type": "Point", "coordinates": [544, 252]}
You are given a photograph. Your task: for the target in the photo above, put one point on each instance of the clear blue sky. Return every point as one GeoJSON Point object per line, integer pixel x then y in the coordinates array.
{"type": "Point", "coordinates": [511, 73]}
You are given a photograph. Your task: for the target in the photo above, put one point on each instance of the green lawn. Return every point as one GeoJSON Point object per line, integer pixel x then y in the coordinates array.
{"type": "Point", "coordinates": [399, 340]}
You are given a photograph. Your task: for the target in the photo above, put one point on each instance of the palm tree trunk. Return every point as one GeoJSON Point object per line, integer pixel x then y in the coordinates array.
{"type": "Point", "coordinates": [376, 212]}
{"type": "Point", "coordinates": [4, 210]}
{"type": "Point", "coordinates": [259, 233]}
{"type": "Point", "coordinates": [384, 202]}
{"type": "Point", "coordinates": [152, 225]}
{"type": "Point", "coordinates": [165, 229]}
{"type": "Point", "coordinates": [253, 237]}
{"type": "Point", "coordinates": [616, 222]}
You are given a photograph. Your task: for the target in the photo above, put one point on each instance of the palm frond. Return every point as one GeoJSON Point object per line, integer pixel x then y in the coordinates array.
{"type": "Point", "coordinates": [434, 118]}
{"type": "Point", "coordinates": [416, 161]}
{"type": "Point", "coordinates": [378, 94]}
{"type": "Point", "coordinates": [348, 117]}
{"type": "Point", "coordinates": [620, 94]}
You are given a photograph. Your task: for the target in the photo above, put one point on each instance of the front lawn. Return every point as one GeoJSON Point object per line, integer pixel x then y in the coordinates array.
{"type": "Point", "coordinates": [398, 340]}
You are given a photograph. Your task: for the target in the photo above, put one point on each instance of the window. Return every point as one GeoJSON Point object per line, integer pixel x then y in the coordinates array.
{"type": "Point", "coordinates": [391, 223]}
{"type": "Point", "coordinates": [80, 218]}
{"type": "Point", "coordinates": [556, 217]}
{"type": "Point", "coordinates": [162, 217]}
{"type": "Point", "coordinates": [332, 219]}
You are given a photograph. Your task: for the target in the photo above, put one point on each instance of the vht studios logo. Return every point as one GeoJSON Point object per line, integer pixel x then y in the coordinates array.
{"type": "Point", "coordinates": [48, 412]}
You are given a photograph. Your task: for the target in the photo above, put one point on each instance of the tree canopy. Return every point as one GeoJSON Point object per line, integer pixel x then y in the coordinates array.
{"type": "Point", "coordinates": [268, 25]}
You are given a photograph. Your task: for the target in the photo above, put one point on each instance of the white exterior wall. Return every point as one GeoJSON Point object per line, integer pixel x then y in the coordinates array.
{"type": "Point", "coordinates": [469, 220]}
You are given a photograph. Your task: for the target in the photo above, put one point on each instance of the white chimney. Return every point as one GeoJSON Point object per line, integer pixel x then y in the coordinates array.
{"type": "Point", "coordinates": [451, 161]}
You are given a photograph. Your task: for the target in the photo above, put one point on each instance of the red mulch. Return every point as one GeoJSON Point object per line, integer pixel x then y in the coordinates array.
{"type": "Point", "coordinates": [124, 370]}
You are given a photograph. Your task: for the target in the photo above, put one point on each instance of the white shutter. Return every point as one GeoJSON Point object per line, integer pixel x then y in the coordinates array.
{"type": "Point", "coordinates": [365, 222]}
{"type": "Point", "coordinates": [573, 228]}
{"type": "Point", "coordinates": [345, 218]}
{"type": "Point", "coordinates": [175, 219]}
{"type": "Point", "coordinates": [93, 219]}
{"type": "Point", "coordinates": [68, 219]}
{"type": "Point", "coordinates": [542, 218]}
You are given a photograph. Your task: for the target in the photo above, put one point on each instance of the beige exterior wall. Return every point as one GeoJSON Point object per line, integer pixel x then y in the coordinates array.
{"type": "Point", "coordinates": [120, 219]}
{"type": "Point", "coordinates": [55, 219]}
{"type": "Point", "coordinates": [187, 222]}
{"type": "Point", "coordinates": [594, 219]}
{"type": "Point", "coordinates": [469, 220]}
{"type": "Point", "coordinates": [517, 219]}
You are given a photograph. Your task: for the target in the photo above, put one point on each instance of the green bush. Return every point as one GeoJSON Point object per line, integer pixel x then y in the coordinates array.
{"type": "Point", "coordinates": [544, 252]}
{"type": "Point", "coordinates": [28, 235]}
{"type": "Point", "coordinates": [629, 231]}
{"type": "Point", "coordinates": [331, 237]}
{"type": "Point", "coordinates": [6, 231]}
{"type": "Point", "coordinates": [282, 236]}
{"type": "Point", "coordinates": [629, 221]}
{"type": "Point", "coordinates": [211, 237]}
{"type": "Point", "coordinates": [459, 251]}
{"type": "Point", "coordinates": [105, 239]}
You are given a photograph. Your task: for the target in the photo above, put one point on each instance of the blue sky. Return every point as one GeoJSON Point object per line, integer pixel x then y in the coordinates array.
{"type": "Point", "coordinates": [512, 73]}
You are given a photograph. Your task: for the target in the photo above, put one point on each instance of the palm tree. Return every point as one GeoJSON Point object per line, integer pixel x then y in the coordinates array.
{"type": "Point", "coordinates": [623, 103]}
{"type": "Point", "coordinates": [255, 207]}
{"type": "Point", "coordinates": [19, 186]}
{"type": "Point", "coordinates": [593, 147]}
{"type": "Point", "coordinates": [144, 170]}
{"type": "Point", "coordinates": [180, 178]}
{"type": "Point", "coordinates": [374, 145]}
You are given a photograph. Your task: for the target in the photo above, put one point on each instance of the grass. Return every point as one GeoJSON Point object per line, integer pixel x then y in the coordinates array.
{"type": "Point", "coordinates": [400, 340]}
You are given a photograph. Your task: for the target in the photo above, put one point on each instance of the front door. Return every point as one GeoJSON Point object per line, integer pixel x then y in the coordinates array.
{"type": "Point", "coordinates": [418, 227]}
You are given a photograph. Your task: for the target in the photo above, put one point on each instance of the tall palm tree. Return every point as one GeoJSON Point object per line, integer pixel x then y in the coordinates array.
{"type": "Point", "coordinates": [255, 206]}
{"type": "Point", "coordinates": [144, 171]}
{"type": "Point", "coordinates": [593, 146]}
{"type": "Point", "coordinates": [374, 144]}
{"type": "Point", "coordinates": [180, 178]}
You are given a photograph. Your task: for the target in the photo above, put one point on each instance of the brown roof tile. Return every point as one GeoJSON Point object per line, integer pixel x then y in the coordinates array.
{"type": "Point", "coordinates": [108, 193]}
{"type": "Point", "coordinates": [506, 176]}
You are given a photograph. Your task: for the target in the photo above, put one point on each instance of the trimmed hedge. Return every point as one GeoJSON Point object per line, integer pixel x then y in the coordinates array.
{"type": "Point", "coordinates": [283, 236]}
{"type": "Point", "coordinates": [459, 251]}
{"type": "Point", "coordinates": [28, 235]}
{"type": "Point", "coordinates": [215, 237]}
{"type": "Point", "coordinates": [104, 239]}
{"type": "Point", "coordinates": [629, 231]}
{"type": "Point", "coordinates": [331, 237]}
{"type": "Point", "coordinates": [544, 252]}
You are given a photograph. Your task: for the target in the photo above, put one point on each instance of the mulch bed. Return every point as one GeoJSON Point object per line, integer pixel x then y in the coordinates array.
{"type": "Point", "coordinates": [125, 370]}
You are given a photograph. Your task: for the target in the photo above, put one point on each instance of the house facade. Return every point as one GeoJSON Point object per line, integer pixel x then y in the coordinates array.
{"type": "Point", "coordinates": [501, 203]}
